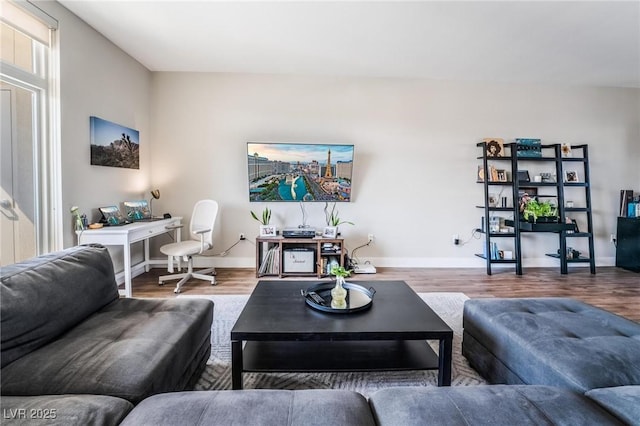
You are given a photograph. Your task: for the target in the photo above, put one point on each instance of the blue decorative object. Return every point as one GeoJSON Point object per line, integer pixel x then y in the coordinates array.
{"type": "Point", "coordinates": [529, 147]}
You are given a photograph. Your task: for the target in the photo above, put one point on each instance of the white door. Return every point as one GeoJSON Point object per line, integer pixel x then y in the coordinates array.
{"type": "Point", "coordinates": [17, 175]}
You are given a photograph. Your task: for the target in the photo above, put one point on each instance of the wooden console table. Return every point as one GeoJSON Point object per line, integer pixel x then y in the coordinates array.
{"type": "Point", "coordinates": [271, 252]}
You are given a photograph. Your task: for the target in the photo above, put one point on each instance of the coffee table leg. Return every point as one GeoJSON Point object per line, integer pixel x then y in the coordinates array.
{"type": "Point", "coordinates": [444, 362]}
{"type": "Point", "coordinates": [236, 364]}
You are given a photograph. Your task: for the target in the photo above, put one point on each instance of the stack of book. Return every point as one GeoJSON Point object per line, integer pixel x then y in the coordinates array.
{"type": "Point", "coordinates": [629, 203]}
{"type": "Point", "coordinates": [494, 252]}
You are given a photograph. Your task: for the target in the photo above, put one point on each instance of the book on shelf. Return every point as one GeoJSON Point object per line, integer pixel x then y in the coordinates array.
{"type": "Point", "coordinates": [493, 251]}
{"type": "Point", "coordinates": [626, 197]}
{"type": "Point", "coordinates": [271, 263]}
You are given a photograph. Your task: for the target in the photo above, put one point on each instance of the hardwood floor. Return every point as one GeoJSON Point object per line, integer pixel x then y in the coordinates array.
{"type": "Point", "coordinates": [613, 289]}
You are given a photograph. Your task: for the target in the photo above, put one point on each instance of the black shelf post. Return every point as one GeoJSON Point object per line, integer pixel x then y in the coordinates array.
{"type": "Point", "coordinates": [587, 209]}
{"type": "Point", "coordinates": [488, 182]}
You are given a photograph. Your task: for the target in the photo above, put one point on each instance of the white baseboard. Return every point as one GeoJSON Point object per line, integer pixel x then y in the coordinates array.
{"type": "Point", "coordinates": [135, 271]}
{"type": "Point", "coordinates": [475, 262]}
{"type": "Point", "coordinates": [395, 262]}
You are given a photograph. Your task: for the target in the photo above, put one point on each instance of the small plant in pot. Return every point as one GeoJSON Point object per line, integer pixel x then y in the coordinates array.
{"type": "Point", "coordinates": [265, 229]}
{"type": "Point", "coordinates": [539, 211]}
{"type": "Point", "coordinates": [333, 218]}
{"type": "Point", "coordinates": [266, 216]}
{"type": "Point", "coordinates": [339, 294]}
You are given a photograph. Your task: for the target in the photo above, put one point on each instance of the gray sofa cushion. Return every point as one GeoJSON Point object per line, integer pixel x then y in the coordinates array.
{"type": "Point", "coordinates": [622, 401]}
{"type": "Point", "coordinates": [64, 410]}
{"type": "Point", "coordinates": [253, 407]}
{"type": "Point", "coordinates": [131, 349]}
{"type": "Point", "coordinates": [45, 296]}
{"type": "Point", "coordinates": [553, 341]}
{"type": "Point", "coordinates": [485, 405]}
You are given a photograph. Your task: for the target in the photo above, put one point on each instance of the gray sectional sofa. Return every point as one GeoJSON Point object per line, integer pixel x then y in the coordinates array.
{"type": "Point", "coordinates": [69, 340]}
{"type": "Point", "coordinates": [74, 353]}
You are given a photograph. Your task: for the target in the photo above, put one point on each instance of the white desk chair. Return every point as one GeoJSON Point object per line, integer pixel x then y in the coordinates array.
{"type": "Point", "coordinates": [201, 240]}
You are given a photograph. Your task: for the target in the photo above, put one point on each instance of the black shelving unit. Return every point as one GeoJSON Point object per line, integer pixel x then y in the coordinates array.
{"type": "Point", "coordinates": [509, 165]}
{"type": "Point", "coordinates": [565, 231]}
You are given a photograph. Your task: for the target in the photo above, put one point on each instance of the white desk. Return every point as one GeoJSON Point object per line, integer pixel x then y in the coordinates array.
{"type": "Point", "coordinates": [126, 235]}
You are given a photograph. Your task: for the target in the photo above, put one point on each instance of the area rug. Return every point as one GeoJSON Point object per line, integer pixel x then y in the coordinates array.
{"type": "Point", "coordinates": [217, 374]}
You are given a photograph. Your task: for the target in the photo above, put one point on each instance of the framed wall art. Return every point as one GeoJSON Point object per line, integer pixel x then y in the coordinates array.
{"type": "Point", "coordinates": [114, 145]}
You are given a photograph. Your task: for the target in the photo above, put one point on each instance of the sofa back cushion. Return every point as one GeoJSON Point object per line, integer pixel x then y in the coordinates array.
{"type": "Point", "coordinates": [43, 297]}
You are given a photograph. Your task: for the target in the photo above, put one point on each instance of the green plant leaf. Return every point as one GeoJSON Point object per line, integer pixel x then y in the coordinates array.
{"type": "Point", "coordinates": [340, 271]}
{"type": "Point", "coordinates": [266, 216]}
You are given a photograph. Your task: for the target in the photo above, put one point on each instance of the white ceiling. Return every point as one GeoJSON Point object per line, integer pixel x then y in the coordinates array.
{"type": "Point", "coordinates": [595, 43]}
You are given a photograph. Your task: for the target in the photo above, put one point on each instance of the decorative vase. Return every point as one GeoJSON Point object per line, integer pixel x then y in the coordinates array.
{"type": "Point", "coordinates": [78, 223]}
{"type": "Point", "coordinates": [339, 295]}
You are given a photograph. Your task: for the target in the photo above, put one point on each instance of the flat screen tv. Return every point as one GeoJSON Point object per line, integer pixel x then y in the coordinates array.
{"type": "Point", "coordinates": [284, 171]}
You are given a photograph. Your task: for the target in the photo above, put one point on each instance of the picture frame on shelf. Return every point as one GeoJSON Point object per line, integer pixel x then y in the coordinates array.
{"type": "Point", "coordinates": [571, 176]}
{"type": "Point", "coordinates": [480, 175]}
{"type": "Point", "coordinates": [547, 177]}
{"type": "Point", "coordinates": [268, 231]}
{"type": "Point", "coordinates": [495, 147]}
{"type": "Point", "coordinates": [330, 232]}
{"type": "Point", "coordinates": [531, 192]}
{"type": "Point", "coordinates": [523, 176]}
{"type": "Point", "coordinates": [575, 225]}
{"type": "Point", "coordinates": [501, 175]}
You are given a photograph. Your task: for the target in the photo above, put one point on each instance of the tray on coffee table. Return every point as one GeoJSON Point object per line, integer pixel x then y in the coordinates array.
{"type": "Point", "coordinates": [359, 298]}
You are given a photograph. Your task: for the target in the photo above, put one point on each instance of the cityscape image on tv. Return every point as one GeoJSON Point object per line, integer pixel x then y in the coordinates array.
{"type": "Point", "coordinates": [299, 172]}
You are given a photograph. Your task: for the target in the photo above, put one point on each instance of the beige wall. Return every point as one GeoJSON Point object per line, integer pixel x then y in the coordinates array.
{"type": "Point", "coordinates": [415, 164]}
{"type": "Point", "coordinates": [97, 79]}
{"type": "Point", "coordinates": [415, 155]}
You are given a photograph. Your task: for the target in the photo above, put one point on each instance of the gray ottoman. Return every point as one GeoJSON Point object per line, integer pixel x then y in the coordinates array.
{"type": "Point", "coordinates": [550, 341]}
{"type": "Point", "coordinates": [253, 407]}
{"type": "Point", "coordinates": [486, 405]}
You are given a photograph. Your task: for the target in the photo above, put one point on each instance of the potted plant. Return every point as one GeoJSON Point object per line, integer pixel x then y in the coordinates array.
{"type": "Point", "coordinates": [266, 230]}
{"type": "Point", "coordinates": [539, 211]}
{"type": "Point", "coordinates": [338, 293]}
{"type": "Point", "coordinates": [333, 218]}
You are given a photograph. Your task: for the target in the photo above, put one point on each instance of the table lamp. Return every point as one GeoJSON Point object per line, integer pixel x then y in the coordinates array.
{"type": "Point", "coordinates": [155, 194]}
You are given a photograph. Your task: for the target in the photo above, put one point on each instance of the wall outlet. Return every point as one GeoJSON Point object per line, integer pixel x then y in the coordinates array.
{"type": "Point", "coordinates": [242, 236]}
{"type": "Point", "coordinates": [612, 238]}
{"type": "Point", "coordinates": [456, 239]}
{"type": "Point", "coordinates": [371, 238]}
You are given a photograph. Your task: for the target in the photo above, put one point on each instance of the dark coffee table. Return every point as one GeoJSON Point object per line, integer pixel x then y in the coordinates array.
{"type": "Point", "coordinates": [284, 334]}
